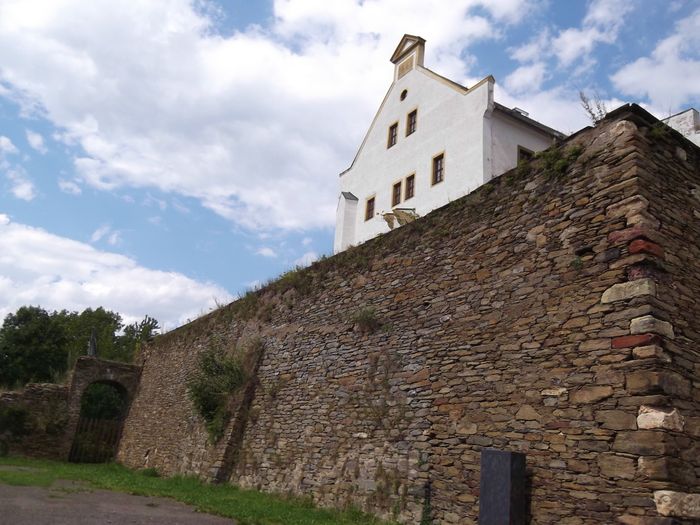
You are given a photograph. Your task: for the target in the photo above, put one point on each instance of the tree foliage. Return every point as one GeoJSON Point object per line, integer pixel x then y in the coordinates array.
{"type": "Point", "coordinates": [33, 347]}
{"type": "Point", "coordinates": [40, 346]}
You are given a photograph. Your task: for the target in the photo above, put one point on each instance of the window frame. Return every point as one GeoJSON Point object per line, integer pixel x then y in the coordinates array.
{"type": "Point", "coordinates": [393, 134]}
{"type": "Point", "coordinates": [412, 178]}
{"type": "Point", "coordinates": [394, 194]}
{"type": "Point", "coordinates": [410, 131]}
{"type": "Point", "coordinates": [433, 172]}
{"type": "Point", "coordinates": [370, 215]}
{"type": "Point", "coordinates": [524, 154]}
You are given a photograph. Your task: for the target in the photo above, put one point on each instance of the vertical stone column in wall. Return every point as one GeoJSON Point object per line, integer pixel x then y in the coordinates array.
{"type": "Point", "coordinates": [648, 448]}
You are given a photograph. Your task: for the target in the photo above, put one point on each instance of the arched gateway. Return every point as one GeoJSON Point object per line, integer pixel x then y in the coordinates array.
{"type": "Point", "coordinates": [94, 428]}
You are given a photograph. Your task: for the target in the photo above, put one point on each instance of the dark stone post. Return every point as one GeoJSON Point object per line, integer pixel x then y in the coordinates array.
{"type": "Point", "coordinates": [502, 488]}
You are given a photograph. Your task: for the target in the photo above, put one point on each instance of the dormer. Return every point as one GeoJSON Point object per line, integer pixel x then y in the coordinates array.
{"type": "Point", "coordinates": [409, 54]}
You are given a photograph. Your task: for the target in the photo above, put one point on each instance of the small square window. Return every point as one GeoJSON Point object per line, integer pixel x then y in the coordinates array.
{"type": "Point", "coordinates": [410, 187]}
{"type": "Point", "coordinates": [396, 194]}
{"type": "Point", "coordinates": [411, 122]}
{"type": "Point", "coordinates": [438, 168]}
{"type": "Point", "coordinates": [369, 209]}
{"type": "Point", "coordinates": [393, 133]}
{"type": "Point", "coordinates": [524, 154]}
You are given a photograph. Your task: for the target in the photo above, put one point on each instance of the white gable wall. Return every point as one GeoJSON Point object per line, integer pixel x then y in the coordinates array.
{"type": "Point", "coordinates": [450, 121]}
{"type": "Point", "coordinates": [507, 134]}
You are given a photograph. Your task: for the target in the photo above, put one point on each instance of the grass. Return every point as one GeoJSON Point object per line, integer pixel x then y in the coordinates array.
{"type": "Point", "coordinates": [248, 507]}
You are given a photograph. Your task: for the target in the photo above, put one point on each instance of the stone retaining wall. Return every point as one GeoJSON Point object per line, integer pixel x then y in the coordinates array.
{"type": "Point", "coordinates": [46, 408]}
{"type": "Point", "coordinates": [551, 312]}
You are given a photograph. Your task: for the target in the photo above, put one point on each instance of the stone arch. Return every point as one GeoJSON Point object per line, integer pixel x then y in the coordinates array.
{"type": "Point", "coordinates": [91, 370]}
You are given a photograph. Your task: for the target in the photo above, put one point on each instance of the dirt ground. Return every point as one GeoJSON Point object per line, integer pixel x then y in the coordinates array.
{"type": "Point", "coordinates": [71, 503]}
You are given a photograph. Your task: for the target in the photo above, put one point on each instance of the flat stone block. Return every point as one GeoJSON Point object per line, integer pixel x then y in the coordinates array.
{"type": "Point", "coordinates": [614, 466]}
{"type": "Point", "coordinates": [643, 443]}
{"type": "Point", "coordinates": [677, 504]}
{"type": "Point", "coordinates": [644, 246]}
{"type": "Point", "coordinates": [628, 341]}
{"type": "Point", "coordinates": [651, 418]}
{"type": "Point", "coordinates": [628, 290]}
{"type": "Point", "coordinates": [591, 394]}
{"type": "Point", "coordinates": [646, 352]}
{"type": "Point", "coordinates": [650, 324]}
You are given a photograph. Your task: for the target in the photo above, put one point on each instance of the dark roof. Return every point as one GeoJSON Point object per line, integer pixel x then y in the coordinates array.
{"type": "Point", "coordinates": [349, 196]}
{"type": "Point", "coordinates": [527, 120]}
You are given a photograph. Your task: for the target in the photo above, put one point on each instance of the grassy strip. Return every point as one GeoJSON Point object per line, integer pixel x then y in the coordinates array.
{"type": "Point", "coordinates": [248, 507]}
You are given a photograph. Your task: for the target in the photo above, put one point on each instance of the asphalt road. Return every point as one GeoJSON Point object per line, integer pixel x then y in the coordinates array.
{"type": "Point", "coordinates": [70, 503]}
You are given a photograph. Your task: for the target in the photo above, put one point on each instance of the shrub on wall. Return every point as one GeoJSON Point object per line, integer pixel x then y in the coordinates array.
{"type": "Point", "coordinates": [219, 375]}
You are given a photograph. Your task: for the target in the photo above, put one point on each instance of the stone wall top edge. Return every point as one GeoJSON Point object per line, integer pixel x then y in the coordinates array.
{"type": "Point", "coordinates": [476, 202]}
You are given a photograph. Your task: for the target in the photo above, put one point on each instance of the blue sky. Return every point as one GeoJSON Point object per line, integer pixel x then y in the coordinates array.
{"type": "Point", "coordinates": [160, 157]}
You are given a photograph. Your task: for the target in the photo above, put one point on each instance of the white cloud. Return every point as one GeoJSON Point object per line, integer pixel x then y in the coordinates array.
{"type": "Point", "coordinates": [533, 50]}
{"type": "Point", "coordinates": [306, 259]}
{"type": "Point", "coordinates": [100, 232]}
{"type": "Point", "coordinates": [63, 273]}
{"type": "Point", "coordinates": [238, 121]}
{"type": "Point", "coordinates": [20, 184]}
{"type": "Point", "coordinates": [266, 251]}
{"type": "Point", "coordinates": [114, 238]}
{"type": "Point", "coordinates": [36, 141]}
{"type": "Point", "coordinates": [306, 241]}
{"type": "Point", "coordinates": [671, 75]}
{"type": "Point", "coordinates": [7, 147]}
{"type": "Point", "coordinates": [602, 23]}
{"type": "Point", "coordinates": [526, 78]}
{"type": "Point", "coordinates": [69, 186]}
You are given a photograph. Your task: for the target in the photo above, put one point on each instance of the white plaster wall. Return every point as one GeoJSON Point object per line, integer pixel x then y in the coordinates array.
{"type": "Point", "coordinates": [686, 123]}
{"type": "Point", "coordinates": [449, 122]}
{"type": "Point", "coordinates": [345, 219]}
{"type": "Point", "coordinates": [507, 134]}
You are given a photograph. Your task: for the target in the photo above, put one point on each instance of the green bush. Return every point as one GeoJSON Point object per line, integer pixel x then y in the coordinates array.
{"type": "Point", "coordinates": [366, 319]}
{"type": "Point", "coordinates": [218, 376]}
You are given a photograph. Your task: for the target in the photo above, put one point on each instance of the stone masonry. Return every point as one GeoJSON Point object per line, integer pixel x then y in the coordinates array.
{"type": "Point", "coordinates": [553, 311]}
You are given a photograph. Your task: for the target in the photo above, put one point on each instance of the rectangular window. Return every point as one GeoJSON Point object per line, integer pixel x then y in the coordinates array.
{"type": "Point", "coordinates": [524, 154]}
{"type": "Point", "coordinates": [410, 187]}
{"type": "Point", "coordinates": [438, 168]}
{"type": "Point", "coordinates": [411, 122]}
{"type": "Point", "coordinates": [393, 132]}
{"type": "Point", "coordinates": [369, 209]}
{"type": "Point", "coordinates": [396, 194]}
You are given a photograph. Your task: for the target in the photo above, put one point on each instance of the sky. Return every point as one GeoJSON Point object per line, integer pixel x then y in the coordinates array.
{"type": "Point", "coordinates": [162, 158]}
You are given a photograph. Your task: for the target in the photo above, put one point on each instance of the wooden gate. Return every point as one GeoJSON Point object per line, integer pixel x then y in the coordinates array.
{"type": "Point", "coordinates": [95, 440]}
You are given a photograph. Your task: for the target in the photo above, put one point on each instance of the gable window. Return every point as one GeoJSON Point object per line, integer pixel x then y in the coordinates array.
{"type": "Point", "coordinates": [410, 187]}
{"type": "Point", "coordinates": [369, 209]}
{"type": "Point", "coordinates": [411, 122]}
{"type": "Point", "coordinates": [438, 168]}
{"type": "Point", "coordinates": [393, 133]}
{"type": "Point", "coordinates": [396, 194]}
{"type": "Point", "coordinates": [524, 154]}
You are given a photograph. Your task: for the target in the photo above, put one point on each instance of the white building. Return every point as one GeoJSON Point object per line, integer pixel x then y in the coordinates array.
{"type": "Point", "coordinates": [431, 142]}
{"type": "Point", "coordinates": [687, 123]}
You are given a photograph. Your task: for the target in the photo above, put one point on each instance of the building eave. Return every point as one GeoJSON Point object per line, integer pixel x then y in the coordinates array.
{"type": "Point", "coordinates": [530, 122]}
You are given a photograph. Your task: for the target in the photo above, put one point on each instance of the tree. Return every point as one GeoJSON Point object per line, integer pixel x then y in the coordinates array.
{"type": "Point", "coordinates": [134, 336]}
{"type": "Point", "coordinates": [36, 345]}
{"type": "Point", "coordinates": [79, 327]}
{"type": "Point", "coordinates": [32, 347]}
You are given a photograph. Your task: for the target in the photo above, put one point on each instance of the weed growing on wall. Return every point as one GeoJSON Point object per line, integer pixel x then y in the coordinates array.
{"type": "Point", "coordinates": [366, 320]}
{"type": "Point", "coordinates": [219, 375]}
{"type": "Point", "coordinates": [555, 161]}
